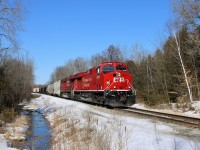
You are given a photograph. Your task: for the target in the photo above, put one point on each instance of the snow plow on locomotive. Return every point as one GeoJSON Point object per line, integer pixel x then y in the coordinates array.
{"type": "Point", "coordinates": [108, 84]}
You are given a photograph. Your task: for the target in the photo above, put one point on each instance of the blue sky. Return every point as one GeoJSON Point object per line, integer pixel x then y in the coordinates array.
{"type": "Point", "coordinates": [56, 31]}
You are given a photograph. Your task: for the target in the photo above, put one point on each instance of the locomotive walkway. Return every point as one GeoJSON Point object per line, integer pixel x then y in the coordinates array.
{"type": "Point", "coordinates": [173, 118]}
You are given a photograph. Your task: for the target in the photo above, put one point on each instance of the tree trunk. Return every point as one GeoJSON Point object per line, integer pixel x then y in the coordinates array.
{"type": "Point", "coordinates": [183, 67]}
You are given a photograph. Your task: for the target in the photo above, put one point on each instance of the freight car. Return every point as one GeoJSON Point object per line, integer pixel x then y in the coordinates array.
{"type": "Point", "coordinates": [36, 90]}
{"type": "Point", "coordinates": [50, 89]}
{"type": "Point", "coordinates": [109, 84]}
{"type": "Point", "coordinates": [43, 89]}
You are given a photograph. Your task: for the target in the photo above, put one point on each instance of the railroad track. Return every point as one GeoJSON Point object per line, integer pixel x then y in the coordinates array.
{"type": "Point", "coordinates": [161, 116]}
{"type": "Point", "coordinates": [184, 120]}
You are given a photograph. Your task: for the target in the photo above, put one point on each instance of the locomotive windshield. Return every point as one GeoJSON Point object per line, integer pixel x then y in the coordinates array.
{"type": "Point", "coordinates": [107, 69]}
{"type": "Point", "coordinates": [123, 68]}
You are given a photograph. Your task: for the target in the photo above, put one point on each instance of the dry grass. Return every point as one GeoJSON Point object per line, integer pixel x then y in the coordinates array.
{"type": "Point", "coordinates": [74, 130]}
{"type": "Point", "coordinates": [20, 120]}
{"type": "Point", "coordinates": [13, 131]}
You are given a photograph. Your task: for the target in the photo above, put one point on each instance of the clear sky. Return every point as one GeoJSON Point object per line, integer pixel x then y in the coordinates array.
{"type": "Point", "coordinates": [56, 31]}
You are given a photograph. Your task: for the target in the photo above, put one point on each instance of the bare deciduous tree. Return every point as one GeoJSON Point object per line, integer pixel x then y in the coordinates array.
{"type": "Point", "coordinates": [174, 28]}
{"type": "Point", "coordinates": [10, 23]}
{"type": "Point", "coordinates": [18, 80]}
{"type": "Point", "coordinates": [16, 72]}
{"type": "Point", "coordinates": [189, 10]}
{"type": "Point", "coordinates": [137, 53]}
{"type": "Point", "coordinates": [58, 74]}
{"type": "Point", "coordinates": [112, 53]}
{"type": "Point", "coordinates": [178, 48]}
{"type": "Point", "coordinates": [81, 64]}
{"type": "Point", "coordinates": [71, 67]}
{"type": "Point", "coordinates": [96, 60]}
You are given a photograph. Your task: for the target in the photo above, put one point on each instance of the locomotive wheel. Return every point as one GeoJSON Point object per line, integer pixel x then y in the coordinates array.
{"type": "Point", "coordinates": [75, 97]}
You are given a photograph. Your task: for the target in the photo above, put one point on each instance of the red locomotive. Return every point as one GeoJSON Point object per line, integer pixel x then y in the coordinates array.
{"type": "Point", "coordinates": [108, 84]}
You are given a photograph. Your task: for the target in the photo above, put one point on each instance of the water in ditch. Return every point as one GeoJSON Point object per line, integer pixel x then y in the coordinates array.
{"type": "Point", "coordinates": [38, 135]}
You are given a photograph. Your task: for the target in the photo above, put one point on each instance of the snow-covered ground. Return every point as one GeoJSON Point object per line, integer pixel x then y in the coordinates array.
{"type": "Point", "coordinates": [77, 125]}
{"type": "Point", "coordinates": [3, 143]}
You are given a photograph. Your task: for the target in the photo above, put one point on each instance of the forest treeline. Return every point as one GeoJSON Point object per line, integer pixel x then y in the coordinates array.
{"type": "Point", "coordinates": [172, 73]}
{"type": "Point", "coordinates": [16, 69]}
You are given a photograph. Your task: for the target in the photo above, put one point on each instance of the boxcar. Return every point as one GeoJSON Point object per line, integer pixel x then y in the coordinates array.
{"type": "Point", "coordinates": [56, 87]}
{"type": "Point", "coordinates": [50, 89]}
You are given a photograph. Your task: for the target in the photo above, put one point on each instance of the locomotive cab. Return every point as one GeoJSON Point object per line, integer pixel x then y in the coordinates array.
{"type": "Point", "coordinates": [115, 76]}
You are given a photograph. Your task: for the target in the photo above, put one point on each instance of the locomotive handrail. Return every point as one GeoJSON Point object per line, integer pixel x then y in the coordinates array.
{"type": "Point", "coordinates": [134, 91]}
{"type": "Point", "coordinates": [108, 86]}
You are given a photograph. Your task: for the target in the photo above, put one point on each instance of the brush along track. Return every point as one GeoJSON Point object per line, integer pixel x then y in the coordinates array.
{"type": "Point", "coordinates": [173, 118]}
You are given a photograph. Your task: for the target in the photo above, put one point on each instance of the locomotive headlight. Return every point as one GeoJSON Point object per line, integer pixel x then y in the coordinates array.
{"type": "Point", "coordinates": [108, 82]}
{"type": "Point", "coordinates": [119, 74]}
{"type": "Point", "coordinates": [114, 87]}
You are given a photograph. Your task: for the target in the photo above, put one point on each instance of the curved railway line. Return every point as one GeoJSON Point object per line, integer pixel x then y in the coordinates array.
{"type": "Point", "coordinates": [161, 116]}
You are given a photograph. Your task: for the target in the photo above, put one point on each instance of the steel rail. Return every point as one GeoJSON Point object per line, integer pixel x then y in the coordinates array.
{"type": "Point", "coordinates": [191, 121]}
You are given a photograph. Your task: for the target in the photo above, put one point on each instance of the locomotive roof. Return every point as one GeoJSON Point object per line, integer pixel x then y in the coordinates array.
{"type": "Point", "coordinates": [78, 75]}
{"type": "Point", "coordinates": [112, 63]}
